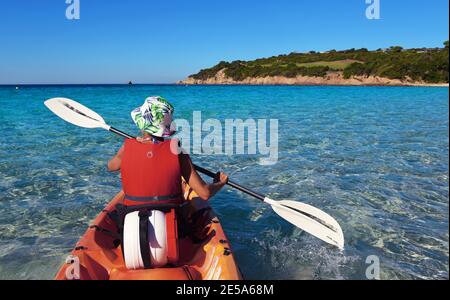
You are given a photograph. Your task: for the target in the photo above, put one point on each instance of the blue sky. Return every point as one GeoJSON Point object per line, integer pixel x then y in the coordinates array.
{"type": "Point", "coordinates": [156, 41]}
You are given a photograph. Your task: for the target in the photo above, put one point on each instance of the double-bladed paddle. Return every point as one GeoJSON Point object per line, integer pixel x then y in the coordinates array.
{"type": "Point", "coordinates": [304, 216]}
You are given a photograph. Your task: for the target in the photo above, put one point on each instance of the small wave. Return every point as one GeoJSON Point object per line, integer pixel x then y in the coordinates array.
{"type": "Point", "coordinates": [300, 256]}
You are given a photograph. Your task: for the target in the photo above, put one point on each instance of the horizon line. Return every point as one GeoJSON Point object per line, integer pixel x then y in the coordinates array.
{"type": "Point", "coordinates": [37, 84]}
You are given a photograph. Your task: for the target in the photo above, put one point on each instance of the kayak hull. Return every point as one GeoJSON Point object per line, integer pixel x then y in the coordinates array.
{"type": "Point", "coordinates": [97, 255]}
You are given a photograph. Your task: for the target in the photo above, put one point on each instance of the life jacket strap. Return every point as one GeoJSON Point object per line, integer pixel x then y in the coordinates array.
{"type": "Point", "coordinates": [153, 198]}
{"type": "Point", "coordinates": [143, 239]}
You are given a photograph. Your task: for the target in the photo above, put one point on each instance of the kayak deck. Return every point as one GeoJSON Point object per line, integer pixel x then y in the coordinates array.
{"type": "Point", "coordinates": [100, 258]}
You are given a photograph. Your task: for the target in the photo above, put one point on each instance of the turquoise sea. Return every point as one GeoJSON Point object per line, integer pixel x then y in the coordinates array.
{"type": "Point", "coordinates": [375, 158]}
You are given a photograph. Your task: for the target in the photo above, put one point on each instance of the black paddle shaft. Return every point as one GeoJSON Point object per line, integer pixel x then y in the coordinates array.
{"type": "Point", "coordinates": [121, 133]}
{"type": "Point", "coordinates": [231, 183]}
{"type": "Point", "coordinates": [202, 170]}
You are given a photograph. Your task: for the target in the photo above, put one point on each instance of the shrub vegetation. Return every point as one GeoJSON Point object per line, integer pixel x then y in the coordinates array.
{"type": "Point", "coordinates": [429, 65]}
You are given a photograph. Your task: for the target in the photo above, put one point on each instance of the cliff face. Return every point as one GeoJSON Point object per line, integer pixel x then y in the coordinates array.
{"type": "Point", "coordinates": [332, 78]}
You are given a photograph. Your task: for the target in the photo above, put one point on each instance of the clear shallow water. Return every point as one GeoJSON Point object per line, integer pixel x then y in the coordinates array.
{"type": "Point", "coordinates": [374, 158]}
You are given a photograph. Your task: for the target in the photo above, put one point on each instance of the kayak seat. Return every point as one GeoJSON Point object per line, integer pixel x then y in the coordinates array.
{"type": "Point", "coordinates": [180, 273]}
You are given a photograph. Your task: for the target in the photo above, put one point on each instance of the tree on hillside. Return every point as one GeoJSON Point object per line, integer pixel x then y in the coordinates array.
{"type": "Point", "coordinates": [395, 49]}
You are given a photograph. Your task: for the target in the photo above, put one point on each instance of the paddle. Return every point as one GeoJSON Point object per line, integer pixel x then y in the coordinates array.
{"type": "Point", "coordinates": [304, 216]}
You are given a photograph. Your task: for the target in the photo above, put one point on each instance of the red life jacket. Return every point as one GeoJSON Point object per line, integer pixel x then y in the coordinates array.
{"type": "Point", "coordinates": [151, 173]}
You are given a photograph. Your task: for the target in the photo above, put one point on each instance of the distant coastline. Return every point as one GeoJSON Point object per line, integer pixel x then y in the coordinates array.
{"type": "Point", "coordinates": [392, 66]}
{"type": "Point", "coordinates": [179, 83]}
{"type": "Point", "coordinates": [333, 79]}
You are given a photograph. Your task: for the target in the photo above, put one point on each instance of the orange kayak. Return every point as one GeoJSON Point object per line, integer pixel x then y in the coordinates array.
{"type": "Point", "coordinates": [99, 257]}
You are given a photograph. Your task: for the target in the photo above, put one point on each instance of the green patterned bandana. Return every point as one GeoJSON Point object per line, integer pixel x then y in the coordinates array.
{"type": "Point", "coordinates": [154, 117]}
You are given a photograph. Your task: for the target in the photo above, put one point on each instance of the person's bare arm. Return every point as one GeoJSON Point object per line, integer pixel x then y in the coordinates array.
{"type": "Point", "coordinates": [115, 163]}
{"type": "Point", "coordinates": [203, 189]}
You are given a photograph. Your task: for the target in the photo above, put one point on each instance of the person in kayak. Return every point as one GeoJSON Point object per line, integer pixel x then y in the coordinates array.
{"type": "Point", "coordinates": [151, 166]}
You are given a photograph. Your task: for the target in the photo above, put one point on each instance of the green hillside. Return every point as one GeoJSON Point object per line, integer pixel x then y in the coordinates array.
{"type": "Point", "coordinates": [429, 65]}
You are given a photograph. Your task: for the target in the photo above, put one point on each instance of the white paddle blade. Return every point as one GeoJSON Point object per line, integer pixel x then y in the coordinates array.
{"type": "Point", "coordinates": [75, 113]}
{"type": "Point", "coordinates": [318, 214]}
{"type": "Point", "coordinates": [310, 219]}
